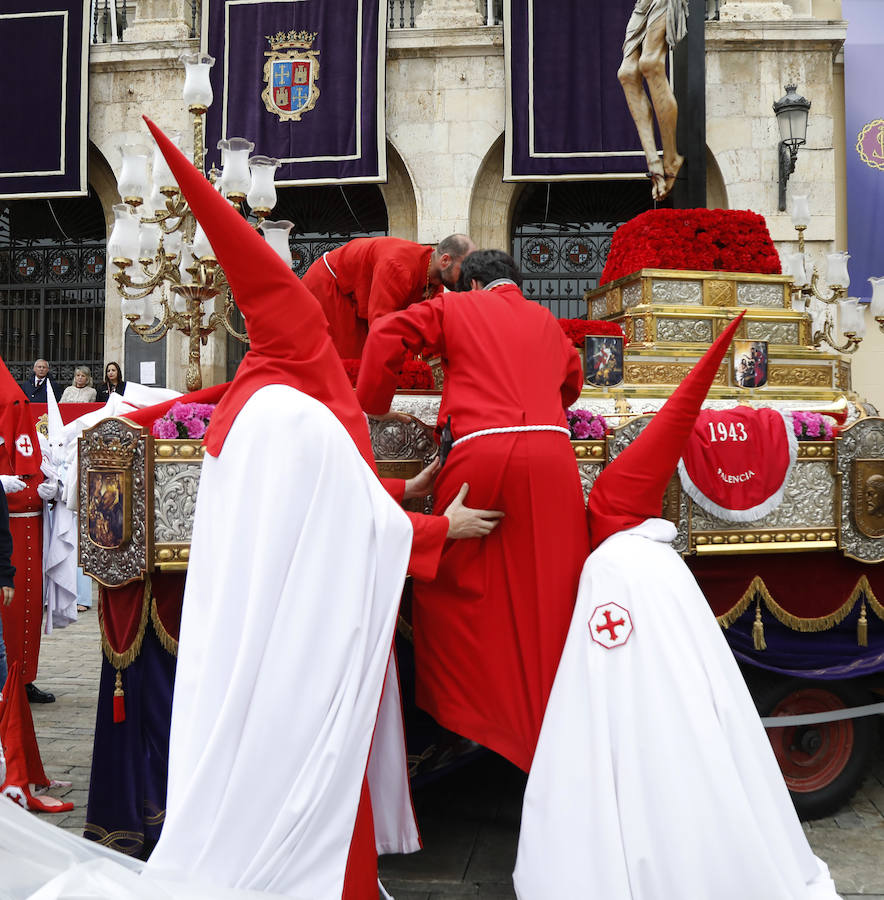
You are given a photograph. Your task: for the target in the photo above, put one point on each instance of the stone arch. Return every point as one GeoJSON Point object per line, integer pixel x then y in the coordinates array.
{"type": "Point", "coordinates": [399, 197]}
{"type": "Point", "coordinates": [716, 189]}
{"type": "Point", "coordinates": [493, 201]}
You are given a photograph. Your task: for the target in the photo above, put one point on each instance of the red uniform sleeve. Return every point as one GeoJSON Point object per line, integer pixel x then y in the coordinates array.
{"type": "Point", "coordinates": [390, 341]}
{"type": "Point", "coordinates": [573, 382]}
{"type": "Point", "coordinates": [395, 488]}
{"type": "Point", "coordinates": [430, 533]}
{"type": "Point", "coordinates": [389, 290]}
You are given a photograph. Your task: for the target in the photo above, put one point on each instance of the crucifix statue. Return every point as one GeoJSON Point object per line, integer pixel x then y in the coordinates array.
{"type": "Point", "coordinates": [654, 27]}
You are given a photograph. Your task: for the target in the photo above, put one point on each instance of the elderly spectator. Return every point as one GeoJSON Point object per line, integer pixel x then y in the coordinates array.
{"type": "Point", "coordinates": [35, 386]}
{"type": "Point", "coordinates": [80, 390]}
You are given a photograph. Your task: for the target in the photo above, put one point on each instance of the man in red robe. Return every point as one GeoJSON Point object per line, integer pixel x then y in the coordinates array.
{"type": "Point", "coordinates": [490, 628]}
{"type": "Point", "coordinates": [367, 278]}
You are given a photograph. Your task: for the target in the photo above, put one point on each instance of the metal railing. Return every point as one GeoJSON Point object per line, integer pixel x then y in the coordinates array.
{"type": "Point", "coordinates": [403, 13]}
{"type": "Point", "coordinates": [110, 18]}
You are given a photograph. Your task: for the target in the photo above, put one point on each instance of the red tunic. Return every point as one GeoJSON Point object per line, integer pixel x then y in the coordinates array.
{"type": "Point", "coordinates": [372, 277]}
{"type": "Point", "coordinates": [490, 628]}
{"type": "Point", "coordinates": [22, 618]}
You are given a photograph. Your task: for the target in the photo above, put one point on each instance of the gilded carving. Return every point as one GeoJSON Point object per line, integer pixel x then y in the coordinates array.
{"type": "Point", "coordinates": [720, 293]}
{"type": "Point", "coordinates": [692, 331]}
{"type": "Point", "coordinates": [751, 293]}
{"type": "Point", "coordinates": [867, 490]}
{"type": "Point", "coordinates": [663, 373]}
{"type": "Point", "coordinates": [799, 376]}
{"type": "Point", "coordinates": [844, 376]}
{"type": "Point", "coordinates": [612, 302]}
{"type": "Point", "coordinates": [681, 293]}
{"type": "Point", "coordinates": [862, 442]}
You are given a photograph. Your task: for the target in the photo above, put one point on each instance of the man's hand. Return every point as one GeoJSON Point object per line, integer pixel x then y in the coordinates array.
{"type": "Point", "coordinates": [48, 489]}
{"type": "Point", "coordinates": [422, 483]}
{"type": "Point", "coordinates": [12, 483]}
{"type": "Point", "coordinates": [465, 522]}
{"type": "Point", "coordinates": [8, 594]}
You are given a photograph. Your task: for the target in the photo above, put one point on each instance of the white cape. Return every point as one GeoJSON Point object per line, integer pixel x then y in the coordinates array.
{"type": "Point", "coordinates": [297, 563]}
{"type": "Point", "coordinates": [653, 778]}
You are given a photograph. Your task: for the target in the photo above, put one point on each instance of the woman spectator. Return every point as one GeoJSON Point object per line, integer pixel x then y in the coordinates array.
{"type": "Point", "coordinates": [80, 389]}
{"type": "Point", "coordinates": [113, 382]}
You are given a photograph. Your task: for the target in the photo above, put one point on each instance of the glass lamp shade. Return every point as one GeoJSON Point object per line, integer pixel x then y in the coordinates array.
{"type": "Point", "coordinates": [262, 191]}
{"type": "Point", "coordinates": [148, 240]}
{"type": "Point", "coordinates": [201, 246]}
{"type": "Point", "coordinates": [197, 85]}
{"type": "Point", "coordinates": [791, 112]}
{"type": "Point", "coordinates": [147, 313]}
{"type": "Point", "coordinates": [797, 268]}
{"type": "Point", "coordinates": [162, 174]}
{"type": "Point", "coordinates": [235, 177]}
{"type": "Point", "coordinates": [124, 237]}
{"type": "Point", "coordinates": [800, 211]}
{"type": "Point", "coordinates": [850, 315]}
{"type": "Point", "coordinates": [877, 304]}
{"type": "Point", "coordinates": [277, 235]}
{"type": "Point", "coordinates": [172, 242]}
{"type": "Point", "coordinates": [185, 261]}
{"type": "Point", "coordinates": [131, 307]}
{"type": "Point", "coordinates": [836, 268]}
{"type": "Point", "coordinates": [133, 182]}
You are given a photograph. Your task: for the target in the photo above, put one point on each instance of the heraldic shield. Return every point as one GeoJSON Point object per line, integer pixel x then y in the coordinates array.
{"type": "Point", "coordinates": [291, 74]}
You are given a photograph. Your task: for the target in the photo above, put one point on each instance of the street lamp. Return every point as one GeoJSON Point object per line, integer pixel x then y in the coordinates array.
{"type": "Point", "coordinates": [791, 112]}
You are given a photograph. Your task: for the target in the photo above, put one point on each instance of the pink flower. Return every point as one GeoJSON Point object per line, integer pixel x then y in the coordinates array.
{"type": "Point", "coordinates": [196, 428]}
{"type": "Point", "coordinates": [180, 412]}
{"type": "Point", "coordinates": [164, 428]}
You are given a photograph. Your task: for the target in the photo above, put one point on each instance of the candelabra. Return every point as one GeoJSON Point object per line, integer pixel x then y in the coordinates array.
{"type": "Point", "coordinates": [158, 247]}
{"type": "Point", "coordinates": [806, 290]}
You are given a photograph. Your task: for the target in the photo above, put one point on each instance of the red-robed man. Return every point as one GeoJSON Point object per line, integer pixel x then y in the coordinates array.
{"type": "Point", "coordinates": [370, 277]}
{"type": "Point", "coordinates": [490, 628]}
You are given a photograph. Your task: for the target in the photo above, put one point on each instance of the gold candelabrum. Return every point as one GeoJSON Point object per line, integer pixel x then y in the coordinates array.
{"type": "Point", "coordinates": [803, 291]}
{"type": "Point", "coordinates": [166, 268]}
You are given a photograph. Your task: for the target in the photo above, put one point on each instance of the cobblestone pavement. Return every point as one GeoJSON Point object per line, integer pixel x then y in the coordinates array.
{"type": "Point", "coordinates": [469, 819]}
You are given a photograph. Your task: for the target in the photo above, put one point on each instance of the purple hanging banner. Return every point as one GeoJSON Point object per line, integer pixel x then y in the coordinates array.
{"type": "Point", "coordinates": [864, 118]}
{"type": "Point", "coordinates": [44, 73]}
{"type": "Point", "coordinates": [304, 80]}
{"type": "Point", "coordinates": [567, 117]}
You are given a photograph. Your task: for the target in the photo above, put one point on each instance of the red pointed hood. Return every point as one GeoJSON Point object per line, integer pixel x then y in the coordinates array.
{"type": "Point", "coordinates": [631, 488]}
{"type": "Point", "coordinates": [290, 343]}
{"type": "Point", "coordinates": [17, 426]}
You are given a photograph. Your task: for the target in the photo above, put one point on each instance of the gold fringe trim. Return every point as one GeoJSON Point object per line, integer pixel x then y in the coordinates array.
{"type": "Point", "coordinates": [758, 592]}
{"type": "Point", "coordinates": [170, 645]}
{"type": "Point", "coordinates": [128, 842]}
{"type": "Point", "coordinates": [128, 656]}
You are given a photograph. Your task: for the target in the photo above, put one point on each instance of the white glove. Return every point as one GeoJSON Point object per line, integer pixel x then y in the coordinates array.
{"type": "Point", "coordinates": [12, 484]}
{"type": "Point", "coordinates": [48, 489]}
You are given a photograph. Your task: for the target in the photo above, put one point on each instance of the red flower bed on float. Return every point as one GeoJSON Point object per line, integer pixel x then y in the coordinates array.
{"type": "Point", "coordinates": [416, 375]}
{"type": "Point", "coordinates": [705, 240]}
{"type": "Point", "coordinates": [577, 329]}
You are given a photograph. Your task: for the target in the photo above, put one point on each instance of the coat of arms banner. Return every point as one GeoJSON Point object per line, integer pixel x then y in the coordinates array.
{"type": "Point", "coordinates": [44, 59]}
{"type": "Point", "coordinates": [304, 80]}
{"type": "Point", "coordinates": [566, 114]}
{"type": "Point", "coordinates": [864, 117]}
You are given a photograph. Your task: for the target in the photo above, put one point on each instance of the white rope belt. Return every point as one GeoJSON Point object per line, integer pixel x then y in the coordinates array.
{"type": "Point", "coordinates": [509, 430]}
{"type": "Point", "coordinates": [324, 255]}
{"type": "Point", "coordinates": [24, 515]}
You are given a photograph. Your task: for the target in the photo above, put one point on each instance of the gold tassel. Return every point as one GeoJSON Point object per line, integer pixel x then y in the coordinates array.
{"type": "Point", "coordinates": [119, 699]}
{"type": "Point", "coordinates": [862, 627]}
{"type": "Point", "coordinates": [758, 629]}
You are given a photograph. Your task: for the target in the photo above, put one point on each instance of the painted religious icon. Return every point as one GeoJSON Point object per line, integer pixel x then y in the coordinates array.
{"type": "Point", "coordinates": [604, 360]}
{"type": "Point", "coordinates": [868, 496]}
{"type": "Point", "coordinates": [750, 364]}
{"type": "Point", "coordinates": [108, 507]}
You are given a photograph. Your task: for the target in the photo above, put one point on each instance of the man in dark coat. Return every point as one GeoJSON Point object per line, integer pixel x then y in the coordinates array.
{"type": "Point", "coordinates": [35, 387]}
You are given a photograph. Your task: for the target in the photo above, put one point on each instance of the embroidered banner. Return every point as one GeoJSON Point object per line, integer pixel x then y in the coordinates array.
{"type": "Point", "coordinates": [737, 461]}
{"type": "Point", "coordinates": [44, 69]}
{"type": "Point", "coordinates": [864, 119]}
{"type": "Point", "coordinates": [566, 113]}
{"type": "Point", "coordinates": [304, 80]}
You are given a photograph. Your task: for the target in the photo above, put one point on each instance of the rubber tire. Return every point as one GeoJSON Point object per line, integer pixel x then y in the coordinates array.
{"type": "Point", "coordinates": [851, 743]}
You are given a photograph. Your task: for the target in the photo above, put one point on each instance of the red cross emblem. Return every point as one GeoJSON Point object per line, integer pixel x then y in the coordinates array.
{"type": "Point", "coordinates": [610, 625]}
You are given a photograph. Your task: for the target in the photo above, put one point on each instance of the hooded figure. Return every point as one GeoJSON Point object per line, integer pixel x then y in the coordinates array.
{"type": "Point", "coordinates": [297, 563]}
{"type": "Point", "coordinates": [653, 777]}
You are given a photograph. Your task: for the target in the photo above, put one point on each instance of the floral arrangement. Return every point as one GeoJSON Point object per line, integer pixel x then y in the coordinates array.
{"type": "Point", "coordinates": [585, 425]}
{"type": "Point", "coordinates": [727, 240]}
{"type": "Point", "coordinates": [811, 426]}
{"type": "Point", "coordinates": [416, 375]}
{"type": "Point", "coordinates": [577, 329]}
{"type": "Point", "coordinates": [184, 420]}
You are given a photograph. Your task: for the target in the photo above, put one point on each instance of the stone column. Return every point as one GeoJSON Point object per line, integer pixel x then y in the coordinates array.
{"type": "Point", "coordinates": [448, 14]}
{"type": "Point", "coordinates": [161, 20]}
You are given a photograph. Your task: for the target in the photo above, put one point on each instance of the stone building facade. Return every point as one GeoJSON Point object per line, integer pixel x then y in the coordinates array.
{"type": "Point", "coordinates": [445, 118]}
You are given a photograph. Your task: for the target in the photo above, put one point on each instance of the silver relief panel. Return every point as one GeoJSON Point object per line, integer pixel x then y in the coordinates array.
{"type": "Point", "coordinates": [631, 295]}
{"type": "Point", "coordinates": [175, 488]}
{"type": "Point", "coordinates": [690, 331]}
{"type": "Point", "coordinates": [752, 294]}
{"type": "Point", "coordinates": [862, 440]}
{"type": "Point", "coordinates": [773, 332]}
{"type": "Point", "coordinates": [679, 293]}
{"type": "Point", "coordinates": [599, 307]}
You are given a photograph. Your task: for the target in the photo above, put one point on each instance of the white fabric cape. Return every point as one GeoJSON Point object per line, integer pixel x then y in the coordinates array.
{"type": "Point", "coordinates": [653, 778]}
{"type": "Point", "coordinates": [297, 562]}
